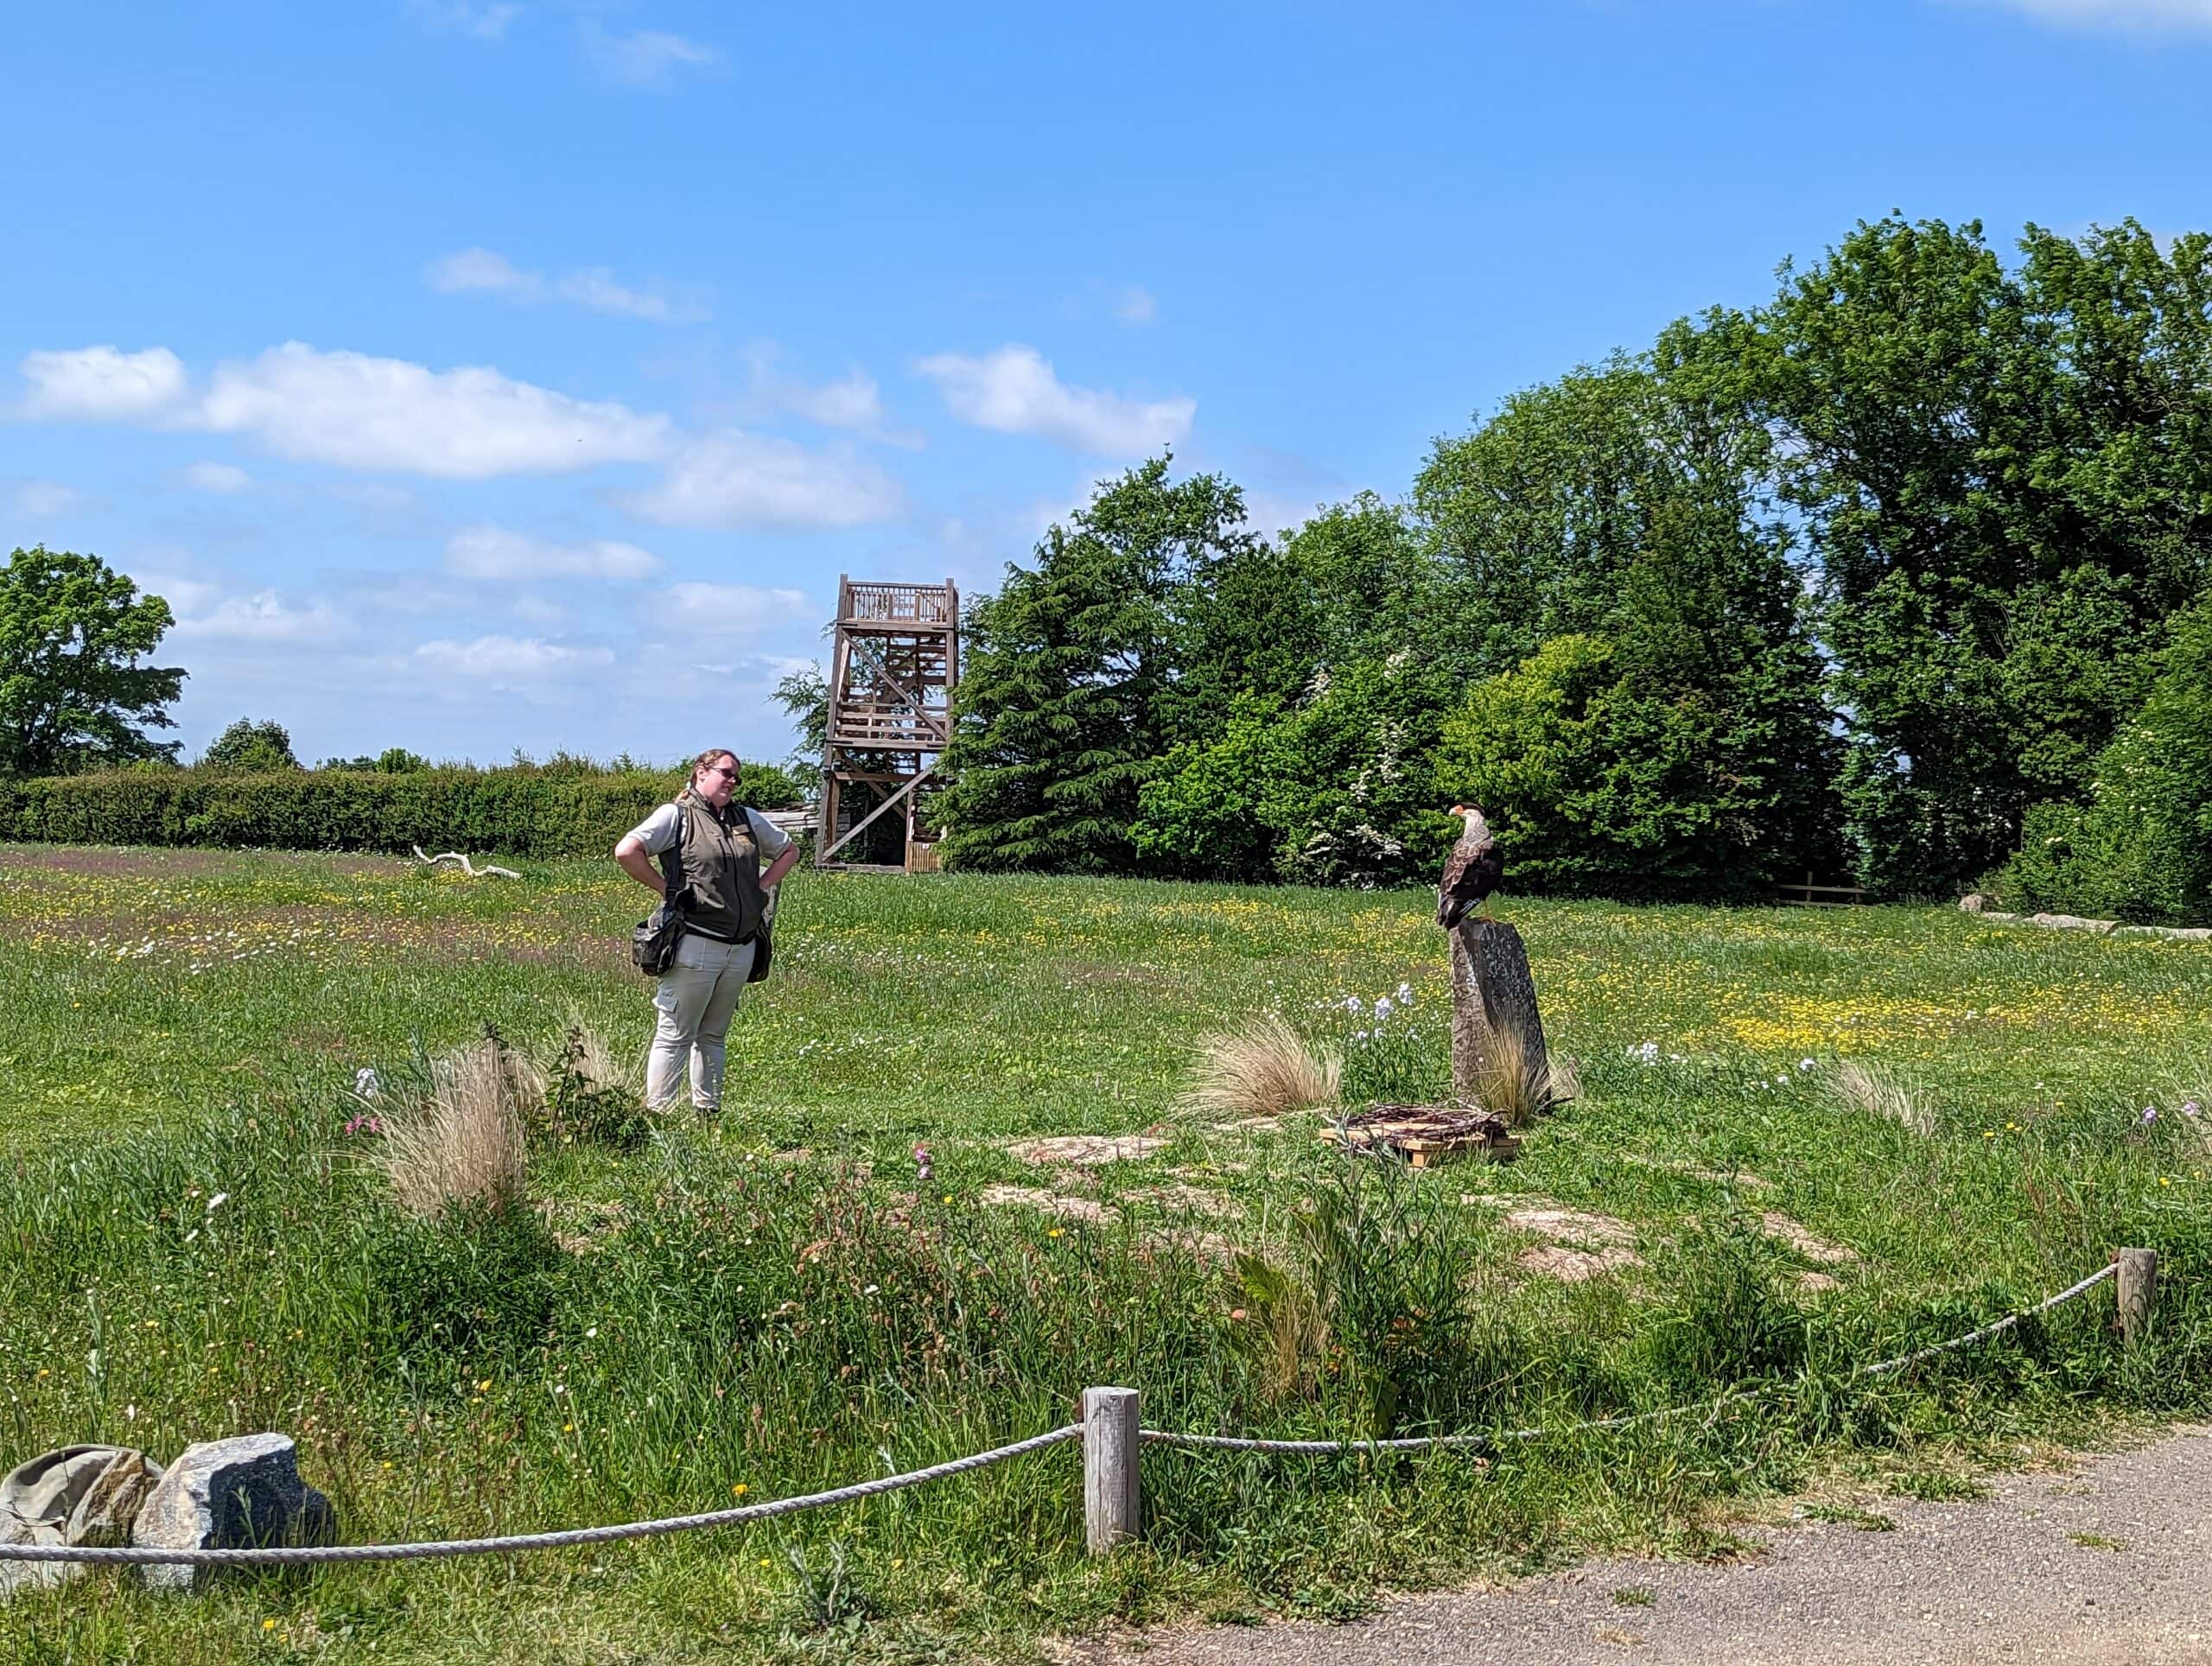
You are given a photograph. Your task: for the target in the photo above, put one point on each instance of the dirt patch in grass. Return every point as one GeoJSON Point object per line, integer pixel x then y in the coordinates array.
{"type": "Point", "coordinates": [1191, 1200]}
{"type": "Point", "coordinates": [1582, 1245]}
{"type": "Point", "coordinates": [1085, 1150]}
{"type": "Point", "coordinates": [1088, 1211]}
{"type": "Point", "coordinates": [1572, 1226]}
{"type": "Point", "coordinates": [1200, 1246]}
{"type": "Point", "coordinates": [1574, 1266]}
{"type": "Point", "coordinates": [1776, 1224]}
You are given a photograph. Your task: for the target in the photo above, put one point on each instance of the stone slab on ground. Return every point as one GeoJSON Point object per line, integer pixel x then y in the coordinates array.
{"type": "Point", "coordinates": [226, 1495]}
{"type": "Point", "coordinates": [2108, 1566]}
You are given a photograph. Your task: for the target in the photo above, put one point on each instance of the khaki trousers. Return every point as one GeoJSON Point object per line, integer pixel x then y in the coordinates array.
{"type": "Point", "coordinates": [696, 998]}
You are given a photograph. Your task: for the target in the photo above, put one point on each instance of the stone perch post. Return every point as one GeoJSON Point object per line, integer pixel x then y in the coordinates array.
{"type": "Point", "coordinates": [1493, 995]}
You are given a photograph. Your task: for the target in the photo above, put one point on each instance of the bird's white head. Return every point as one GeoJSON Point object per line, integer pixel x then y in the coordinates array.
{"type": "Point", "coordinates": [1472, 815]}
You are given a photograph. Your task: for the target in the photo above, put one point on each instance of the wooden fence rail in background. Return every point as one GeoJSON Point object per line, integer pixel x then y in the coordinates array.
{"type": "Point", "coordinates": [1809, 895]}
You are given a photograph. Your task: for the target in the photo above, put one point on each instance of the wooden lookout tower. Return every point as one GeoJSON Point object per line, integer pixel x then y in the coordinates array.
{"type": "Point", "coordinates": [895, 660]}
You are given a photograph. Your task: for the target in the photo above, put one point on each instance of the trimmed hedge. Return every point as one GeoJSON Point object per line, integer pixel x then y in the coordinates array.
{"type": "Point", "coordinates": [507, 812]}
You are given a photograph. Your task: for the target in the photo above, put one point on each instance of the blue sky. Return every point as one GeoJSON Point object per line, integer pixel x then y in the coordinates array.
{"type": "Point", "coordinates": [523, 373]}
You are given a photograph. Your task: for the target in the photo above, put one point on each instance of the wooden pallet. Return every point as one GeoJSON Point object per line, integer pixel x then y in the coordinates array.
{"type": "Point", "coordinates": [1427, 1134]}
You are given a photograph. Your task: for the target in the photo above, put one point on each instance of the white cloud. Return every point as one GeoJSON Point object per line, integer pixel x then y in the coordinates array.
{"type": "Point", "coordinates": [224, 478]}
{"type": "Point", "coordinates": [263, 617]}
{"type": "Point", "coordinates": [36, 500]}
{"type": "Point", "coordinates": [1015, 391]}
{"type": "Point", "coordinates": [536, 610]}
{"type": "Point", "coordinates": [2130, 16]}
{"type": "Point", "coordinates": [507, 657]}
{"type": "Point", "coordinates": [496, 552]}
{"type": "Point", "coordinates": [468, 423]}
{"type": "Point", "coordinates": [735, 478]}
{"type": "Point", "coordinates": [852, 401]}
{"type": "Point", "coordinates": [694, 608]}
{"type": "Point", "coordinates": [485, 271]}
{"type": "Point", "coordinates": [1135, 305]}
{"type": "Point", "coordinates": [102, 384]}
{"type": "Point", "coordinates": [647, 59]}
{"type": "Point", "coordinates": [472, 270]}
{"type": "Point", "coordinates": [487, 21]}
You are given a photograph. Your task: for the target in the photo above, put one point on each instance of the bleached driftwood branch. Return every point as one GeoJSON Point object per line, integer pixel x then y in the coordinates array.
{"type": "Point", "coordinates": [466, 867]}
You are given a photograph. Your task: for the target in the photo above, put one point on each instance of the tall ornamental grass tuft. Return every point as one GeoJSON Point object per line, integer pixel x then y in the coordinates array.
{"type": "Point", "coordinates": [1507, 1082]}
{"type": "Point", "coordinates": [1873, 1090]}
{"type": "Point", "coordinates": [459, 1145]}
{"type": "Point", "coordinates": [1262, 1069]}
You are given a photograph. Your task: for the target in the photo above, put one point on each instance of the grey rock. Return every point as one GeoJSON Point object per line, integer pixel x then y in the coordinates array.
{"type": "Point", "coordinates": [227, 1495]}
{"type": "Point", "coordinates": [78, 1495]}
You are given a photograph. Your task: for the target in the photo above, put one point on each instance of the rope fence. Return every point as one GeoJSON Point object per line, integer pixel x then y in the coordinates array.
{"type": "Point", "coordinates": [1111, 1437]}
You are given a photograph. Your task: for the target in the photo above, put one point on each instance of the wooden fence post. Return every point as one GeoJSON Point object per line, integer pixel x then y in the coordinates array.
{"type": "Point", "coordinates": [1492, 993]}
{"type": "Point", "coordinates": [1110, 1442]}
{"type": "Point", "coordinates": [2138, 1287]}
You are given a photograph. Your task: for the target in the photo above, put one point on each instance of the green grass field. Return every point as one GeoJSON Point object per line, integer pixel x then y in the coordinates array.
{"type": "Point", "coordinates": [773, 1303]}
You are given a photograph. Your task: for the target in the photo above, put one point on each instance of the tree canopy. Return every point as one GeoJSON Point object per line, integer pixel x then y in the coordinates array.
{"type": "Point", "coordinates": [74, 695]}
{"type": "Point", "coordinates": [1868, 578]}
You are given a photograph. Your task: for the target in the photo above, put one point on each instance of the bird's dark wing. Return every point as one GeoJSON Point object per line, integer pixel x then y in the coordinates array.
{"type": "Point", "coordinates": [1471, 873]}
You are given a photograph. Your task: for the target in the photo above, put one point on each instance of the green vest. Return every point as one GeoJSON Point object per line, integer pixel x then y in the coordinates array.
{"type": "Point", "coordinates": [722, 866]}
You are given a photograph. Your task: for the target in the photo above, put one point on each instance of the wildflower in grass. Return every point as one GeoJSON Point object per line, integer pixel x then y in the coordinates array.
{"type": "Point", "coordinates": [218, 1201]}
{"type": "Point", "coordinates": [2149, 1115]}
{"type": "Point", "coordinates": [947, 1198]}
{"type": "Point", "coordinates": [268, 1626]}
{"type": "Point", "coordinates": [922, 1166]}
{"type": "Point", "coordinates": [1383, 1008]}
{"type": "Point", "coordinates": [739, 1490]}
{"type": "Point", "coordinates": [1054, 1233]}
{"type": "Point", "coordinates": [2190, 1108]}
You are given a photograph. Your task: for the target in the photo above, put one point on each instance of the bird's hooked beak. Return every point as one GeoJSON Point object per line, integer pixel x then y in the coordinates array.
{"type": "Point", "coordinates": [1458, 809]}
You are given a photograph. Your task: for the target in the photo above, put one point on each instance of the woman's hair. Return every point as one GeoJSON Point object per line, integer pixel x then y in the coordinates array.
{"type": "Point", "coordinates": [709, 756]}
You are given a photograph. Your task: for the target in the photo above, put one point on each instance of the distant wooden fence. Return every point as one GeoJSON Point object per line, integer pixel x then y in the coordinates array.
{"type": "Point", "coordinates": [1809, 895]}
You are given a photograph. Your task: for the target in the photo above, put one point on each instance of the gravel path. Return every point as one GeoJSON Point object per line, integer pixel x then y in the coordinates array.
{"type": "Point", "coordinates": [2110, 1564]}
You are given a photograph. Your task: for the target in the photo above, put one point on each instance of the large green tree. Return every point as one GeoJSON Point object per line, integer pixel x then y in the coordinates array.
{"type": "Point", "coordinates": [252, 749]}
{"type": "Point", "coordinates": [74, 695]}
{"type": "Point", "coordinates": [1071, 685]}
{"type": "Point", "coordinates": [1335, 789]}
{"type": "Point", "coordinates": [2004, 474]}
{"type": "Point", "coordinates": [1678, 743]}
{"type": "Point", "coordinates": [2140, 849]}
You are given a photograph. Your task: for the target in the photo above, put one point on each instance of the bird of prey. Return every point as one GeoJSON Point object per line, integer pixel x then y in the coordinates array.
{"type": "Point", "coordinates": [1473, 870]}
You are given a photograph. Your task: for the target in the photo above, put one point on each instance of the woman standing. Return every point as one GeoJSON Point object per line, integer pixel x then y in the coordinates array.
{"type": "Point", "coordinates": [720, 846]}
